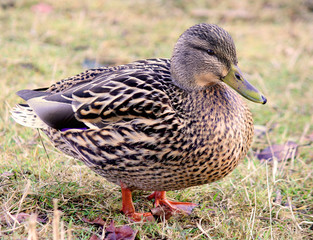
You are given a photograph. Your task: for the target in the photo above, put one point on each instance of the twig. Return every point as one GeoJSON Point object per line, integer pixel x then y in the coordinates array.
{"type": "Point", "coordinates": [201, 229]}
{"type": "Point", "coordinates": [32, 234]}
{"type": "Point", "coordinates": [62, 231]}
{"type": "Point", "coordinates": [253, 216]}
{"type": "Point", "coordinates": [269, 199]}
{"type": "Point", "coordinates": [21, 201]}
{"type": "Point", "coordinates": [56, 220]}
{"type": "Point", "coordinates": [43, 145]}
{"type": "Point", "coordinates": [292, 214]}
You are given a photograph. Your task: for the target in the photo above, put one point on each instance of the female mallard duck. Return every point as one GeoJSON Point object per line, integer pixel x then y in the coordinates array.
{"type": "Point", "coordinates": [156, 124]}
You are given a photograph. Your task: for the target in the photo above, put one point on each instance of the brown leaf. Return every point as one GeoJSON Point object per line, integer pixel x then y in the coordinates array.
{"type": "Point", "coordinates": [120, 233]}
{"type": "Point", "coordinates": [21, 217]}
{"type": "Point", "coordinates": [281, 152]}
{"type": "Point", "coordinates": [162, 212]}
{"type": "Point", "coordinates": [94, 237]}
{"type": "Point", "coordinates": [111, 232]}
{"type": "Point", "coordinates": [98, 221]}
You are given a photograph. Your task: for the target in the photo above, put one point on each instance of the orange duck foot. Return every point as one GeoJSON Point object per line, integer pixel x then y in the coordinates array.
{"type": "Point", "coordinates": [160, 199]}
{"type": "Point", "coordinates": [138, 217]}
{"type": "Point", "coordinates": [129, 210]}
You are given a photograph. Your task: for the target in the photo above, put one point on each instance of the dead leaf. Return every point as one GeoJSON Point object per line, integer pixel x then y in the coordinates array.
{"type": "Point", "coordinates": [94, 237]}
{"type": "Point", "coordinates": [111, 232]}
{"type": "Point", "coordinates": [162, 212]}
{"type": "Point", "coordinates": [21, 217]}
{"type": "Point", "coordinates": [120, 233]}
{"type": "Point", "coordinates": [281, 152]}
{"type": "Point", "coordinates": [98, 221]}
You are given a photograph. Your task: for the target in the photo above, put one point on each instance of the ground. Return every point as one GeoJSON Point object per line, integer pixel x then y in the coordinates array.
{"type": "Point", "coordinates": [41, 44]}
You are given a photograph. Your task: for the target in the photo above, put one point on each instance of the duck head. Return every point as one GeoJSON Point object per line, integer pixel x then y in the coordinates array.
{"type": "Point", "coordinates": [205, 55]}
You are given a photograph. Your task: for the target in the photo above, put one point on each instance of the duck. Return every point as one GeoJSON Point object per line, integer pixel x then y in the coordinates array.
{"type": "Point", "coordinates": [156, 124]}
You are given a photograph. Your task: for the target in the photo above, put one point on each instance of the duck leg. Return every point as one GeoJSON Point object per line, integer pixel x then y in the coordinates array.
{"type": "Point", "coordinates": [128, 207]}
{"type": "Point", "coordinates": [160, 199]}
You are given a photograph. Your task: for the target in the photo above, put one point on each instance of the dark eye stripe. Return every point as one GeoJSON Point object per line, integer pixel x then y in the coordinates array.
{"type": "Point", "coordinates": [209, 51]}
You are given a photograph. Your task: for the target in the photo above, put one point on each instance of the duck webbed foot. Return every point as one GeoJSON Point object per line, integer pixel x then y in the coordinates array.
{"type": "Point", "coordinates": [161, 200]}
{"type": "Point", "coordinates": [129, 210]}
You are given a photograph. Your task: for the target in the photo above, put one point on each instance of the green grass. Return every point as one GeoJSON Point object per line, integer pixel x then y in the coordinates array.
{"type": "Point", "coordinates": [274, 46]}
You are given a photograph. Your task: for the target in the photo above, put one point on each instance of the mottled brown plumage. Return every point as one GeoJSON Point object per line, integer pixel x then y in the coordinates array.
{"type": "Point", "coordinates": [156, 124]}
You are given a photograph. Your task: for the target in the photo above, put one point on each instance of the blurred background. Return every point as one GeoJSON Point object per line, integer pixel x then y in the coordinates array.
{"type": "Point", "coordinates": [42, 42]}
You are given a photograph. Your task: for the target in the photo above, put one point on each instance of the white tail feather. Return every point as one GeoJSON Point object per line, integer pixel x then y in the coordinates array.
{"type": "Point", "coordinates": [25, 116]}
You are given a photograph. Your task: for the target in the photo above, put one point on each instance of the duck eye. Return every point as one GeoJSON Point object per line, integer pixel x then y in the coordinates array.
{"type": "Point", "coordinates": [210, 52]}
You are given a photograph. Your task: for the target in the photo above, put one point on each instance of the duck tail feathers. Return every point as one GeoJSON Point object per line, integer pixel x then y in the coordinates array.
{"type": "Point", "coordinates": [25, 116]}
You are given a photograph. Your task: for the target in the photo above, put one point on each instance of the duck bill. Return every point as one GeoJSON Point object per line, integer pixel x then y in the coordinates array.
{"type": "Point", "coordinates": [235, 79]}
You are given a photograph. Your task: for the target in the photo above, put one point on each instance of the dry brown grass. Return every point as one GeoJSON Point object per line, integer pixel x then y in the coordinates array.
{"type": "Point", "coordinates": [257, 201]}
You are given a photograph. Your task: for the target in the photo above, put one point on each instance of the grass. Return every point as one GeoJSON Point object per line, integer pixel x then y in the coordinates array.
{"type": "Point", "coordinates": [274, 45]}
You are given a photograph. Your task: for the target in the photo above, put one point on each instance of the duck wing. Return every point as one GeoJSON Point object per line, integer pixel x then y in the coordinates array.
{"type": "Point", "coordinates": [117, 95]}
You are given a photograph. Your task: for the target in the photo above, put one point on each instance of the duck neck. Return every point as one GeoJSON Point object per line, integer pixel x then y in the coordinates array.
{"type": "Point", "coordinates": [218, 98]}
{"type": "Point", "coordinates": [211, 109]}
{"type": "Point", "coordinates": [183, 75]}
